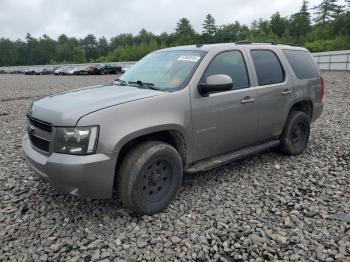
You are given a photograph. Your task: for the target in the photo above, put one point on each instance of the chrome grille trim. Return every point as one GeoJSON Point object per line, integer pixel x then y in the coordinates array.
{"type": "Point", "coordinates": [40, 134]}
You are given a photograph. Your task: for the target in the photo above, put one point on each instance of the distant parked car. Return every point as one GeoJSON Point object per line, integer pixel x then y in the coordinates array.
{"type": "Point", "coordinates": [89, 70]}
{"type": "Point", "coordinates": [38, 71]}
{"type": "Point", "coordinates": [46, 71]}
{"type": "Point", "coordinates": [105, 69]}
{"type": "Point", "coordinates": [65, 71]}
{"type": "Point", "coordinates": [74, 71]}
{"type": "Point", "coordinates": [58, 70]}
{"type": "Point", "coordinates": [30, 72]}
{"type": "Point", "coordinates": [24, 71]}
{"type": "Point", "coordinates": [84, 70]}
{"type": "Point", "coordinates": [17, 71]}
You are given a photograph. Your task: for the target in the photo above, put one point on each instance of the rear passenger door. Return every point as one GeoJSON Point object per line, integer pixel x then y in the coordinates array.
{"type": "Point", "coordinates": [274, 91]}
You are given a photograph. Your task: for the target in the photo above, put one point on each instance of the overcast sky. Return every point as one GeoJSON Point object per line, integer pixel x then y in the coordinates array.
{"type": "Point", "coordinates": [112, 17]}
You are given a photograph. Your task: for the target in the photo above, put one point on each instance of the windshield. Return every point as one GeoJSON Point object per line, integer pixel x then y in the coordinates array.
{"type": "Point", "coordinates": [166, 70]}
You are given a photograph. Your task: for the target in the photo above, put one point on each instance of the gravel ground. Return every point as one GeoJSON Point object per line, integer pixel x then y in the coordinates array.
{"type": "Point", "coordinates": [265, 207]}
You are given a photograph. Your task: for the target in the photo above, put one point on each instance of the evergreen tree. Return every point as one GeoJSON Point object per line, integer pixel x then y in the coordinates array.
{"type": "Point", "coordinates": [89, 44]}
{"type": "Point", "coordinates": [79, 55]}
{"type": "Point", "coordinates": [264, 26]}
{"type": "Point", "coordinates": [121, 40]}
{"type": "Point", "coordinates": [144, 36]}
{"type": "Point", "coordinates": [47, 49]}
{"type": "Point", "coordinates": [102, 46]}
{"type": "Point", "coordinates": [231, 33]}
{"type": "Point", "coordinates": [327, 10]}
{"type": "Point", "coordinates": [279, 25]}
{"type": "Point", "coordinates": [184, 32]}
{"type": "Point", "coordinates": [8, 53]}
{"type": "Point", "coordinates": [300, 23]}
{"type": "Point", "coordinates": [64, 48]}
{"type": "Point", "coordinates": [31, 45]}
{"type": "Point", "coordinates": [209, 27]}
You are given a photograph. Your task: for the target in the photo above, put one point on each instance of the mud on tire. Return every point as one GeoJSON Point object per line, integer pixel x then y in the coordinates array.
{"type": "Point", "coordinates": [295, 135]}
{"type": "Point", "coordinates": [149, 177]}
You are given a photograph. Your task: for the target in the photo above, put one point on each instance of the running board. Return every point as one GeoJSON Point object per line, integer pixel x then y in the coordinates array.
{"type": "Point", "coordinates": [207, 164]}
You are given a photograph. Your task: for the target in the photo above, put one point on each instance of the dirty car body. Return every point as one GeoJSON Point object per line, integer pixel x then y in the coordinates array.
{"type": "Point", "coordinates": [202, 126]}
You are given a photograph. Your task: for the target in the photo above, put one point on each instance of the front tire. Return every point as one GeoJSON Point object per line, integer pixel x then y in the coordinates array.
{"type": "Point", "coordinates": [295, 135]}
{"type": "Point", "coordinates": [149, 177]}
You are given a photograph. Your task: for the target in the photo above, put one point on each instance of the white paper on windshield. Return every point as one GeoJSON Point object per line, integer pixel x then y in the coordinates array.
{"type": "Point", "coordinates": [190, 58]}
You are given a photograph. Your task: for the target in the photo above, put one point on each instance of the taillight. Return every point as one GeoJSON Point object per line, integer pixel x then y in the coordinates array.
{"type": "Point", "coordinates": [322, 88]}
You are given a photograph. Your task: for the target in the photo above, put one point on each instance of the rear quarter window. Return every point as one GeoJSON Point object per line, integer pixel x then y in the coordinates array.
{"type": "Point", "coordinates": [302, 63]}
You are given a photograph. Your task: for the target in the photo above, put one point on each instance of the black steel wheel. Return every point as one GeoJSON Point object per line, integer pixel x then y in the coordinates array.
{"type": "Point", "coordinates": [295, 136]}
{"type": "Point", "coordinates": [156, 178]}
{"type": "Point", "coordinates": [298, 135]}
{"type": "Point", "coordinates": [149, 177]}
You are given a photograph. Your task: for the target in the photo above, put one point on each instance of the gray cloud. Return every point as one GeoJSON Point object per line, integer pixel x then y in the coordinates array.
{"type": "Point", "coordinates": [109, 17]}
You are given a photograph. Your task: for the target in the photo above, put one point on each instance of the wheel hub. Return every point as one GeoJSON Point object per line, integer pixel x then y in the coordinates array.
{"type": "Point", "coordinates": [155, 177]}
{"type": "Point", "coordinates": [156, 180]}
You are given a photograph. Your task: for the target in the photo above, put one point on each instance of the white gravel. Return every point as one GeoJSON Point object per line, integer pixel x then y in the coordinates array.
{"type": "Point", "coordinates": [264, 207]}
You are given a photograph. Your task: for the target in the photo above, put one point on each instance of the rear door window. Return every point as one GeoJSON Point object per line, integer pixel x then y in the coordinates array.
{"type": "Point", "coordinates": [268, 67]}
{"type": "Point", "coordinates": [302, 63]}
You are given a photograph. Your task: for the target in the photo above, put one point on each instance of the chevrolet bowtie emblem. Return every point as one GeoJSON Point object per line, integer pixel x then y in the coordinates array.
{"type": "Point", "coordinates": [31, 129]}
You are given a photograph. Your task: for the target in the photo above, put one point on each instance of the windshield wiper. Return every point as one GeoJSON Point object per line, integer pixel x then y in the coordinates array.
{"type": "Point", "coordinates": [143, 84]}
{"type": "Point", "coordinates": [122, 82]}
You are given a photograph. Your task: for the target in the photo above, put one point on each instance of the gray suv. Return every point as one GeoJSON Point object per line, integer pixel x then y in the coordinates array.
{"type": "Point", "coordinates": [188, 108]}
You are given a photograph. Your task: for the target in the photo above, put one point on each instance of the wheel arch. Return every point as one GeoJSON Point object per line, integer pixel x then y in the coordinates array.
{"type": "Point", "coordinates": [304, 105]}
{"type": "Point", "coordinates": [170, 135]}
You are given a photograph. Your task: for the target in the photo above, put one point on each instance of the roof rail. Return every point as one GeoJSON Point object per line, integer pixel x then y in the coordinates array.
{"type": "Point", "coordinates": [291, 44]}
{"type": "Point", "coordinates": [247, 42]}
{"type": "Point", "coordinates": [243, 42]}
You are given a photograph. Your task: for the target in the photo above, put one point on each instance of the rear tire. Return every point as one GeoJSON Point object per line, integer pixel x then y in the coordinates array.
{"type": "Point", "coordinates": [149, 177]}
{"type": "Point", "coordinates": [295, 135]}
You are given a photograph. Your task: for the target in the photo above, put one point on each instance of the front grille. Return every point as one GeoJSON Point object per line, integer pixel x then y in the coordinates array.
{"type": "Point", "coordinates": [40, 134]}
{"type": "Point", "coordinates": [40, 124]}
{"type": "Point", "coordinates": [40, 143]}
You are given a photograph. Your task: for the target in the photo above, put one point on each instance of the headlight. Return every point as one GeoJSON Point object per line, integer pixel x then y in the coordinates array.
{"type": "Point", "coordinates": [76, 140]}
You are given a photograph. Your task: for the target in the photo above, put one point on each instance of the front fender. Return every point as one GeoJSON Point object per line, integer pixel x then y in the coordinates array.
{"type": "Point", "coordinates": [122, 123]}
{"type": "Point", "coordinates": [149, 130]}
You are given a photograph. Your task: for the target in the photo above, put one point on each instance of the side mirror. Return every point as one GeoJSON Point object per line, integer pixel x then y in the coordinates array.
{"type": "Point", "coordinates": [215, 83]}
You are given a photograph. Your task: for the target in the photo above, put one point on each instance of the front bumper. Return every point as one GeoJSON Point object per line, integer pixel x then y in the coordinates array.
{"type": "Point", "coordinates": [89, 176]}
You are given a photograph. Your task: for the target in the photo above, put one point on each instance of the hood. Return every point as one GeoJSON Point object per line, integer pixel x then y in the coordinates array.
{"type": "Point", "coordinates": [65, 109]}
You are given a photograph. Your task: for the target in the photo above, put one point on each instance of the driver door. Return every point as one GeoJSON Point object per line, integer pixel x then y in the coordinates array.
{"type": "Point", "coordinates": [225, 121]}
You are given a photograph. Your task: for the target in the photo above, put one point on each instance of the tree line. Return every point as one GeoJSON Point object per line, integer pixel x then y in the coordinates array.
{"type": "Point", "coordinates": [323, 27]}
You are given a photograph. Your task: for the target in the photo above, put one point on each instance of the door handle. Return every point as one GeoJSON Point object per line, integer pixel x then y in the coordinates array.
{"type": "Point", "coordinates": [247, 100]}
{"type": "Point", "coordinates": [286, 92]}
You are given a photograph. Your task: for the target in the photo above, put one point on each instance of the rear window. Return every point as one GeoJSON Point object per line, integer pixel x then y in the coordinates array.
{"type": "Point", "coordinates": [302, 63]}
{"type": "Point", "coordinates": [268, 67]}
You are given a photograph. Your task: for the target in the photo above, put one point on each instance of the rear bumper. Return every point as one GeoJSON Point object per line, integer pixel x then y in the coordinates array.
{"type": "Point", "coordinates": [88, 176]}
{"type": "Point", "coordinates": [317, 111]}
